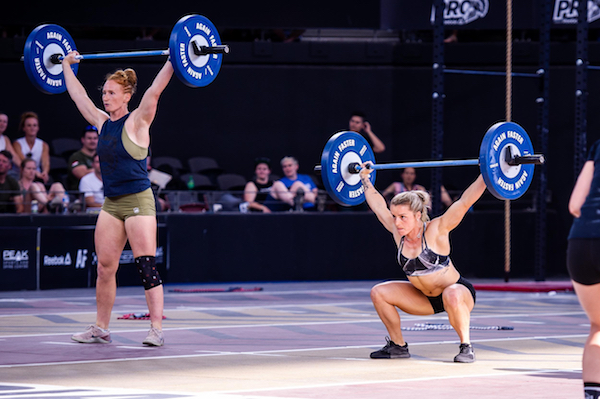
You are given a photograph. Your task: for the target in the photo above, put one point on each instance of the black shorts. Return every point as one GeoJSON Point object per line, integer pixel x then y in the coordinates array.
{"type": "Point", "coordinates": [438, 303]}
{"type": "Point", "coordinates": [583, 260]}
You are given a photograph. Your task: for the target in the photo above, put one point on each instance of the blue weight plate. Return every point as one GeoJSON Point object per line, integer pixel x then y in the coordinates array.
{"type": "Point", "coordinates": [194, 70]}
{"type": "Point", "coordinates": [502, 180]}
{"type": "Point", "coordinates": [43, 42]}
{"type": "Point", "coordinates": [342, 149]}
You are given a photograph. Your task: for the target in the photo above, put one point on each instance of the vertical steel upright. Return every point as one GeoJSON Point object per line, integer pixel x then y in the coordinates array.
{"type": "Point", "coordinates": [581, 90]}
{"type": "Point", "coordinates": [437, 100]}
{"type": "Point", "coordinates": [543, 102]}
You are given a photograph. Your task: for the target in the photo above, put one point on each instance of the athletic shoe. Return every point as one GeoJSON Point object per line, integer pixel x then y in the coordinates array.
{"type": "Point", "coordinates": [154, 338]}
{"type": "Point", "coordinates": [93, 335]}
{"type": "Point", "coordinates": [466, 354]}
{"type": "Point", "coordinates": [391, 350]}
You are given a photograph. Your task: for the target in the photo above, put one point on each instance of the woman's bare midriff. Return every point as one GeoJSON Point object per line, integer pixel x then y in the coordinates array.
{"type": "Point", "coordinates": [433, 284]}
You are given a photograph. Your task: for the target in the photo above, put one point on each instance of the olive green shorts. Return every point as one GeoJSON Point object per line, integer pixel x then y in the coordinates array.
{"type": "Point", "coordinates": [124, 206]}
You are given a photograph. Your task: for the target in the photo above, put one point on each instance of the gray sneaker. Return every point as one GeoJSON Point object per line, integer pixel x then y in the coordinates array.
{"type": "Point", "coordinates": [93, 335]}
{"type": "Point", "coordinates": [391, 351]}
{"type": "Point", "coordinates": [154, 338]}
{"type": "Point", "coordinates": [466, 354]}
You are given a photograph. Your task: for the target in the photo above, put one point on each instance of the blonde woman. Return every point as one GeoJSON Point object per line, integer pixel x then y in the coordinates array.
{"type": "Point", "coordinates": [434, 285]}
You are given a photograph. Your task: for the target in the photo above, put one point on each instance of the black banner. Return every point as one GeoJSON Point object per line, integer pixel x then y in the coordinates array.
{"type": "Point", "coordinates": [68, 258]}
{"type": "Point", "coordinates": [483, 14]}
{"type": "Point", "coordinates": [18, 263]}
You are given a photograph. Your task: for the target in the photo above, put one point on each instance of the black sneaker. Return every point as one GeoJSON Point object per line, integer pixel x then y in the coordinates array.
{"type": "Point", "coordinates": [391, 350]}
{"type": "Point", "coordinates": [466, 354]}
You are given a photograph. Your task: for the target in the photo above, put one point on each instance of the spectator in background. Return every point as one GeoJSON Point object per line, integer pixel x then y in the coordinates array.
{"type": "Point", "coordinates": [30, 146]}
{"type": "Point", "coordinates": [80, 162]}
{"type": "Point", "coordinates": [35, 191]}
{"type": "Point", "coordinates": [256, 192]}
{"type": "Point", "coordinates": [408, 176]}
{"type": "Point", "coordinates": [295, 189]}
{"type": "Point", "coordinates": [5, 143]}
{"type": "Point", "coordinates": [359, 124]}
{"type": "Point", "coordinates": [92, 188]}
{"type": "Point", "coordinates": [11, 200]}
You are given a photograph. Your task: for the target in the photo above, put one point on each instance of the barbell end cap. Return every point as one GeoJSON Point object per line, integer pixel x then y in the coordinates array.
{"type": "Point", "coordinates": [318, 169]}
{"type": "Point", "coordinates": [542, 159]}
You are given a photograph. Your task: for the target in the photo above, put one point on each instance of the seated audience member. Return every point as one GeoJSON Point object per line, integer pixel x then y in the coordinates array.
{"type": "Point", "coordinates": [359, 125]}
{"type": "Point", "coordinates": [11, 200]}
{"type": "Point", "coordinates": [409, 175]}
{"type": "Point", "coordinates": [33, 190]}
{"type": "Point", "coordinates": [30, 146]}
{"type": "Point", "coordinates": [256, 192]}
{"type": "Point", "coordinates": [295, 189]}
{"type": "Point", "coordinates": [92, 188]}
{"type": "Point", "coordinates": [80, 162]}
{"type": "Point", "coordinates": [5, 143]}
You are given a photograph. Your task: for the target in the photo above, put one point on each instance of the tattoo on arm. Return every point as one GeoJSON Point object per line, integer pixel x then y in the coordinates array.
{"type": "Point", "coordinates": [365, 181]}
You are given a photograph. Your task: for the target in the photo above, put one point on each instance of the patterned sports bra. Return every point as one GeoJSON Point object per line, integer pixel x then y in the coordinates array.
{"type": "Point", "coordinates": [426, 263]}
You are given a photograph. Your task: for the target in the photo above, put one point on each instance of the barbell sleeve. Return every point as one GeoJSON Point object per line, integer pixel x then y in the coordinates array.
{"type": "Point", "coordinates": [204, 50]}
{"type": "Point", "coordinates": [536, 159]}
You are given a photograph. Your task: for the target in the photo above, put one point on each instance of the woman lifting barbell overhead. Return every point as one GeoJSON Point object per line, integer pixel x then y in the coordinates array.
{"type": "Point", "coordinates": [129, 212]}
{"type": "Point", "coordinates": [434, 285]}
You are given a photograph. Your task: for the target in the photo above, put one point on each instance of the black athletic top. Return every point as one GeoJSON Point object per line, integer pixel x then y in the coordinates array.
{"type": "Point", "coordinates": [426, 263]}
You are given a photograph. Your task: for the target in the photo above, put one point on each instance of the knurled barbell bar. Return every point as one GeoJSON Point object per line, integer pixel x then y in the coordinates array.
{"type": "Point", "coordinates": [194, 47]}
{"type": "Point", "coordinates": [506, 161]}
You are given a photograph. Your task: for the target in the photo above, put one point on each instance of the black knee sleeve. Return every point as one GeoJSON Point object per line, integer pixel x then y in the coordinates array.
{"type": "Point", "coordinates": [146, 265]}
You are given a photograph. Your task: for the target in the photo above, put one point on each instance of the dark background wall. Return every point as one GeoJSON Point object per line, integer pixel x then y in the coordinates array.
{"type": "Point", "coordinates": [50, 251]}
{"type": "Point", "coordinates": [275, 99]}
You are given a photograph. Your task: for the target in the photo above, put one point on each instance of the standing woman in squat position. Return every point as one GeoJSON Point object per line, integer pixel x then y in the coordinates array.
{"type": "Point", "coordinates": [583, 262]}
{"type": "Point", "coordinates": [434, 285]}
{"type": "Point", "coordinates": [129, 211]}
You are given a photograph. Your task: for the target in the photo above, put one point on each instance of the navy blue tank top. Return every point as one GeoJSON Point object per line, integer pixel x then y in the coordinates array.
{"type": "Point", "coordinates": [588, 224]}
{"type": "Point", "coordinates": [121, 173]}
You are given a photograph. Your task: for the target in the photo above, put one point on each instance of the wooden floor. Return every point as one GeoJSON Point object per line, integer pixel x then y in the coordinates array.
{"type": "Point", "coordinates": [289, 340]}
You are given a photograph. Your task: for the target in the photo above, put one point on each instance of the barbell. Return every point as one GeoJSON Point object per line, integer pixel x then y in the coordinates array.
{"type": "Point", "coordinates": [506, 161]}
{"type": "Point", "coordinates": [195, 51]}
